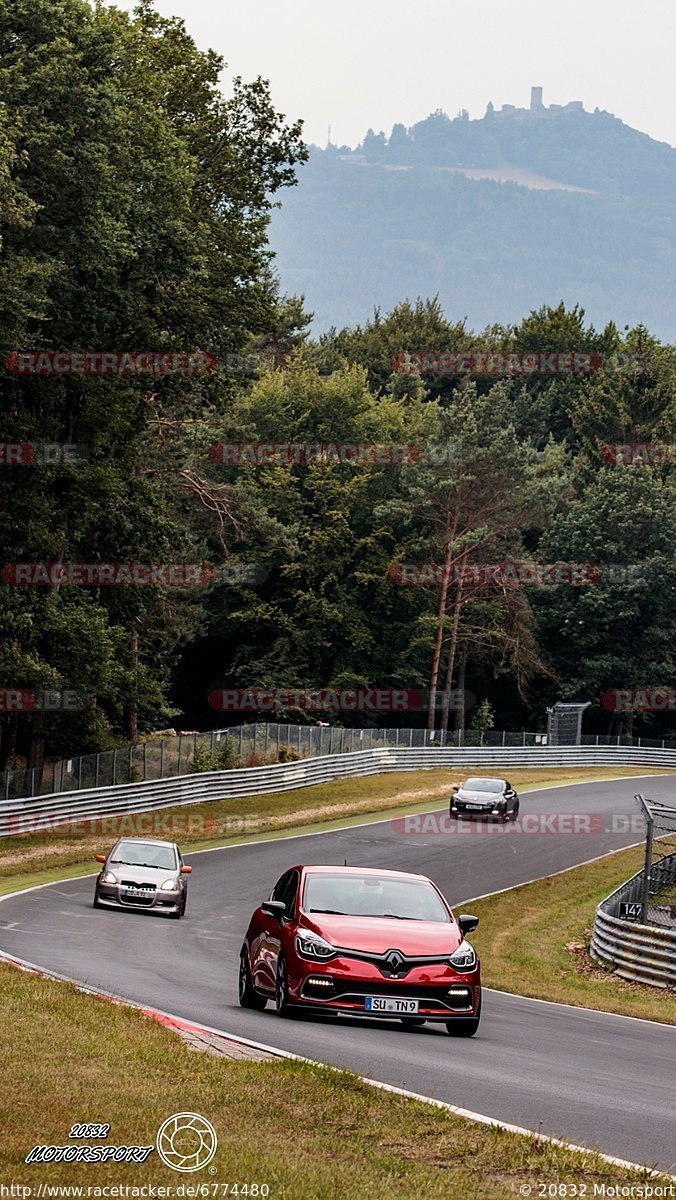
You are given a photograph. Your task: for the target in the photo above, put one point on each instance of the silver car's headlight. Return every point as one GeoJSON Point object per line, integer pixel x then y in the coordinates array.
{"type": "Point", "coordinates": [109, 877]}
{"type": "Point", "coordinates": [464, 958]}
{"type": "Point", "coordinates": [169, 885]}
{"type": "Point", "coordinates": [311, 945]}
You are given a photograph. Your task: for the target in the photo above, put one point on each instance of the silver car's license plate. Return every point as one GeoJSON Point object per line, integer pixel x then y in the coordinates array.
{"type": "Point", "coordinates": [391, 1004]}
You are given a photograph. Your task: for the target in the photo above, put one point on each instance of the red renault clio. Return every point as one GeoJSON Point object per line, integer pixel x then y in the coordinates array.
{"type": "Point", "coordinates": [364, 943]}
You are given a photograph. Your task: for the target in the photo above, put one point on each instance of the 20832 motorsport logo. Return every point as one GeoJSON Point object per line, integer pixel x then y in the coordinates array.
{"type": "Point", "coordinates": [185, 1142]}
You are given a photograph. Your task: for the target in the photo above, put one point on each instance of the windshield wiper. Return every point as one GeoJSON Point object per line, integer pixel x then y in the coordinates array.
{"type": "Point", "coordinates": [153, 866]}
{"type": "Point", "coordinates": [392, 916]}
{"type": "Point", "coordinates": [335, 912]}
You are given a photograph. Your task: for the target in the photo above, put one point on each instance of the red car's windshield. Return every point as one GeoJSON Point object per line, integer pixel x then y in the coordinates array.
{"type": "Point", "coordinates": [373, 896]}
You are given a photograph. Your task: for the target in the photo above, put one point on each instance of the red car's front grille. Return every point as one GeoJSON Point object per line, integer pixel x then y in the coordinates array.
{"type": "Point", "coordinates": [352, 992]}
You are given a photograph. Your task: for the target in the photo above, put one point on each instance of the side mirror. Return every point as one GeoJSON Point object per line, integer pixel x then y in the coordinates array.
{"type": "Point", "coordinates": [100, 858]}
{"type": "Point", "coordinates": [274, 908]}
{"type": "Point", "coordinates": [186, 870]}
{"type": "Point", "coordinates": [467, 923]}
{"type": "Point", "coordinates": [455, 788]}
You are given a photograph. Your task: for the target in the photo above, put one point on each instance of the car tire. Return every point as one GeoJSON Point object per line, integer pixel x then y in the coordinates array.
{"type": "Point", "coordinates": [248, 996]}
{"type": "Point", "coordinates": [176, 916]}
{"type": "Point", "coordinates": [96, 903]}
{"type": "Point", "coordinates": [282, 1004]}
{"type": "Point", "coordinates": [464, 1026]}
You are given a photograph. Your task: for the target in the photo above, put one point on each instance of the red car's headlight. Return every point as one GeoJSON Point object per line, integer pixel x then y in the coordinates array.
{"type": "Point", "coordinates": [464, 958]}
{"type": "Point", "coordinates": [311, 945]}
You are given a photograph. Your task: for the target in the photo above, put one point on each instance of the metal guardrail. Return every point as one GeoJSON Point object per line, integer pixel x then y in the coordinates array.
{"type": "Point", "coordinates": [156, 758]}
{"type": "Point", "coordinates": [31, 814]}
{"type": "Point", "coordinates": [635, 926]}
{"type": "Point", "coordinates": [164, 758]}
{"type": "Point", "coordinates": [640, 953]}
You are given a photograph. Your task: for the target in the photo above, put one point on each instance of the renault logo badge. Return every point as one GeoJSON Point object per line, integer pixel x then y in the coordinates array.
{"type": "Point", "coordinates": [394, 961]}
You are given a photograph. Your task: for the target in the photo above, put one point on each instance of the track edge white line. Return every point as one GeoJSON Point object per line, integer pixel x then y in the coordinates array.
{"type": "Point", "coordinates": [465, 1113]}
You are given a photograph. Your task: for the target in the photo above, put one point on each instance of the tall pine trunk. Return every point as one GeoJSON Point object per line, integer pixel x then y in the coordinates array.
{"type": "Point", "coordinates": [449, 535]}
{"type": "Point", "coordinates": [451, 653]}
{"type": "Point", "coordinates": [460, 706]}
{"type": "Point", "coordinates": [36, 750]}
{"type": "Point", "coordinates": [130, 711]}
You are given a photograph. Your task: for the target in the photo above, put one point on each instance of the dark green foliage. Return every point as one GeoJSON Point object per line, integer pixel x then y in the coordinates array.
{"type": "Point", "coordinates": [134, 209]}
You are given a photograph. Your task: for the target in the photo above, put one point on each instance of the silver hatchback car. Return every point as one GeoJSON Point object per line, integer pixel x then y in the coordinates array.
{"type": "Point", "coordinates": [138, 873]}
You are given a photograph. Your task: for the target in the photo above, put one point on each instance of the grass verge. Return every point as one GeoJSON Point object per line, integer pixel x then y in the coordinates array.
{"type": "Point", "coordinates": [534, 940]}
{"type": "Point", "coordinates": [308, 1133]}
{"type": "Point", "coordinates": [226, 822]}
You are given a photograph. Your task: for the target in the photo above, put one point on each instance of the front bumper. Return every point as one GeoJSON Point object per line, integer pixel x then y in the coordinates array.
{"type": "Point", "coordinates": [442, 994]}
{"type": "Point", "coordinates": [143, 898]}
{"type": "Point", "coordinates": [467, 808]}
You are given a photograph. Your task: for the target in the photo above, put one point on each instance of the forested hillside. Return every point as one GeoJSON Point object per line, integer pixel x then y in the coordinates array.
{"type": "Point", "coordinates": [398, 218]}
{"type": "Point", "coordinates": [135, 208]}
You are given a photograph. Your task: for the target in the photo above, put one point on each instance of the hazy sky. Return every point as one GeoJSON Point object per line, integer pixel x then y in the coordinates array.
{"type": "Point", "coordinates": [361, 63]}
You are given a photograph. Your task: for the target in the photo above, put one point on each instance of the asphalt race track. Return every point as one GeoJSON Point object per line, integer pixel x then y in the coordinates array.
{"type": "Point", "coordinates": [598, 1080]}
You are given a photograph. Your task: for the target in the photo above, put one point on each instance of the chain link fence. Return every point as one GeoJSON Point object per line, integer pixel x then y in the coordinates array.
{"type": "Point", "coordinates": [649, 897]}
{"type": "Point", "coordinates": [161, 758]}
{"type": "Point", "coordinates": [635, 927]}
{"type": "Point", "coordinates": [253, 744]}
{"type": "Point", "coordinates": [659, 882]}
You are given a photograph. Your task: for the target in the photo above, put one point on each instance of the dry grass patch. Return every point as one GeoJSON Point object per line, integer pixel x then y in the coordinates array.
{"type": "Point", "coordinates": [309, 1133]}
{"type": "Point", "coordinates": [534, 941]}
{"type": "Point", "coordinates": [224, 821]}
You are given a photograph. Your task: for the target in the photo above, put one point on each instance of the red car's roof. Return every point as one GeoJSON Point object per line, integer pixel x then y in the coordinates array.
{"type": "Point", "coordinates": [336, 870]}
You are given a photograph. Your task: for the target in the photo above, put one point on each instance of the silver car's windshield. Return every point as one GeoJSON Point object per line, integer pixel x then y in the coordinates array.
{"type": "Point", "coordinates": [373, 896]}
{"type": "Point", "coordinates": [145, 854]}
{"type": "Point", "coordinates": [483, 785]}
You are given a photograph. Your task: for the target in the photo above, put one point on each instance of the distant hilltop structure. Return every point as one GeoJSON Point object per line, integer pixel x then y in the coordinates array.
{"type": "Point", "coordinates": [537, 108]}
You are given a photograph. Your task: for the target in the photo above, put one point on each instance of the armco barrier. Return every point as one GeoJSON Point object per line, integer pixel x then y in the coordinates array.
{"type": "Point", "coordinates": [166, 757]}
{"type": "Point", "coordinates": [641, 953]}
{"type": "Point", "coordinates": [15, 815]}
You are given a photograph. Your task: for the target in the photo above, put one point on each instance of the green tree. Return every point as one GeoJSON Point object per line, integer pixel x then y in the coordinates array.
{"type": "Point", "coordinates": [134, 217]}
{"type": "Point", "coordinates": [478, 489]}
{"type": "Point", "coordinates": [620, 631]}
